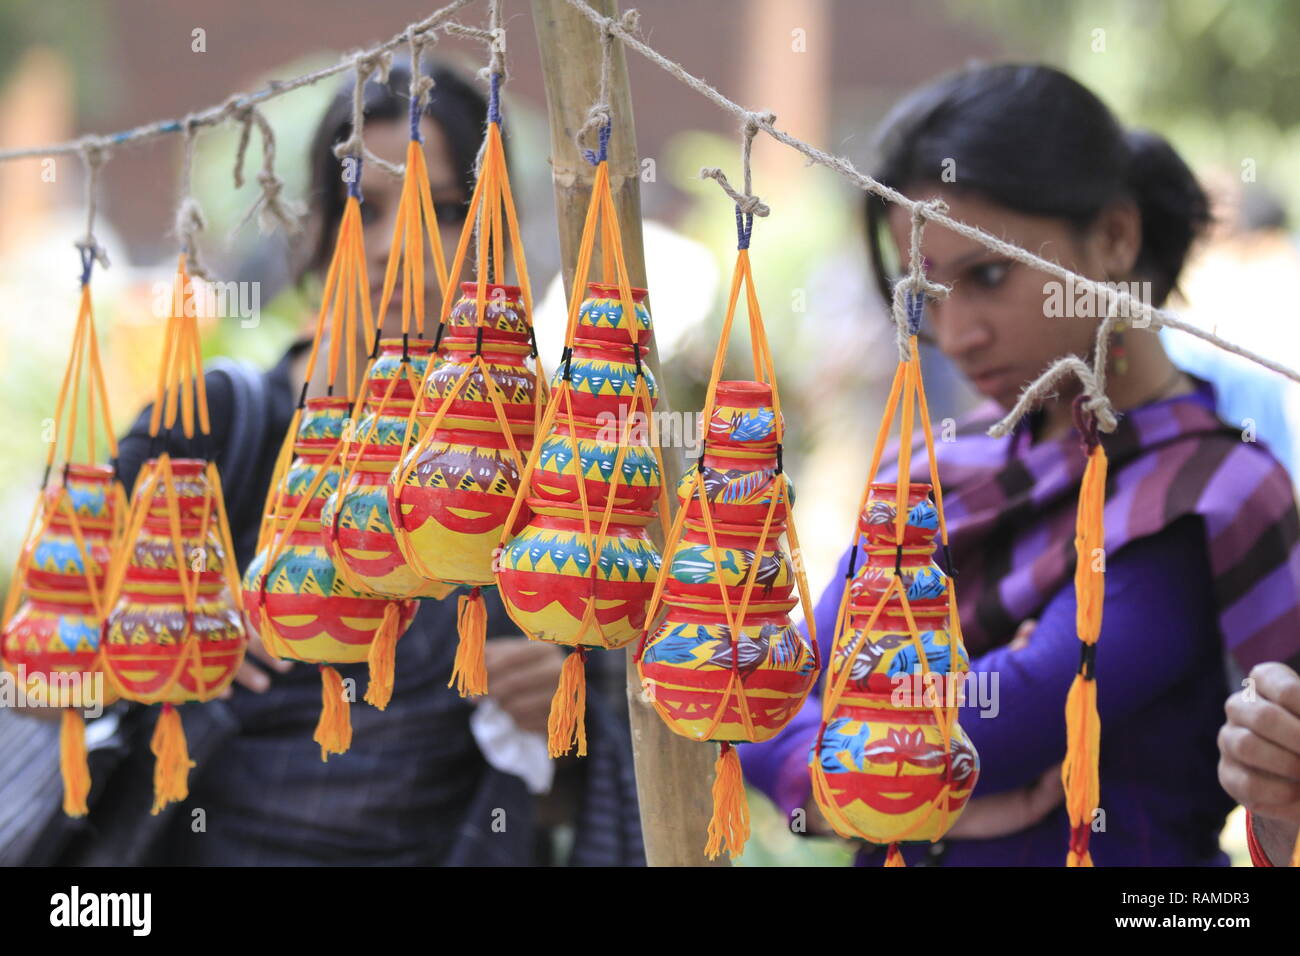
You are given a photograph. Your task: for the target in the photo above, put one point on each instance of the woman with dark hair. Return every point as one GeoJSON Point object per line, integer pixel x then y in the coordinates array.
{"type": "Point", "coordinates": [415, 788]}
{"type": "Point", "coordinates": [1201, 581]}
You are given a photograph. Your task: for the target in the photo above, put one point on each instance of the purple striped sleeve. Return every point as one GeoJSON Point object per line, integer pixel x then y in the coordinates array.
{"type": "Point", "coordinates": [779, 767]}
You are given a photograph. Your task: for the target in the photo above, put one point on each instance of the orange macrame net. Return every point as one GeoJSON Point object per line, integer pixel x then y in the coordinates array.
{"type": "Point", "coordinates": [493, 218]}
{"type": "Point", "coordinates": [180, 393]}
{"type": "Point", "coordinates": [909, 390]}
{"type": "Point", "coordinates": [344, 318]}
{"type": "Point", "coordinates": [83, 399]}
{"type": "Point", "coordinates": [416, 220]}
{"type": "Point", "coordinates": [729, 825]}
{"type": "Point", "coordinates": [566, 723]}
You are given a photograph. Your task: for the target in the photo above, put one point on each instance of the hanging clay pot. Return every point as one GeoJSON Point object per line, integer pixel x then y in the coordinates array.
{"type": "Point", "coordinates": [890, 773]}
{"type": "Point", "coordinates": [301, 605]}
{"type": "Point", "coordinates": [51, 643]}
{"type": "Point", "coordinates": [156, 650]}
{"type": "Point", "coordinates": [546, 575]}
{"type": "Point", "coordinates": [358, 530]}
{"type": "Point", "coordinates": [450, 497]}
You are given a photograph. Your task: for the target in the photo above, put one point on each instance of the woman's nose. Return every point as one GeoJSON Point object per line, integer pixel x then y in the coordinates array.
{"type": "Point", "coordinates": [958, 328]}
{"type": "Point", "coordinates": [379, 240]}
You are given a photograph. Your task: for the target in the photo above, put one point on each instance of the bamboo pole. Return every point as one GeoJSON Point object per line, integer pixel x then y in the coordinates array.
{"type": "Point", "coordinates": [673, 775]}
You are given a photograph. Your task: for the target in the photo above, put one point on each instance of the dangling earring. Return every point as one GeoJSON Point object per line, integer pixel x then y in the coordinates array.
{"type": "Point", "coordinates": [1117, 359]}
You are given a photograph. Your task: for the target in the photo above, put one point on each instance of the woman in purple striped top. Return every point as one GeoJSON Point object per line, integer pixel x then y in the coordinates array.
{"type": "Point", "coordinates": [1202, 563]}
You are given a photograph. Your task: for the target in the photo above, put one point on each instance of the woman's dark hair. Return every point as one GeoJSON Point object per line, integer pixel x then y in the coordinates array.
{"type": "Point", "coordinates": [1032, 139]}
{"type": "Point", "coordinates": [454, 104]}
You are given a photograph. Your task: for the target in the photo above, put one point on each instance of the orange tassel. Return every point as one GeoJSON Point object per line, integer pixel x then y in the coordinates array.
{"type": "Point", "coordinates": [383, 655]}
{"type": "Point", "coordinates": [469, 673]}
{"type": "Point", "coordinates": [895, 856]}
{"type": "Point", "coordinates": [567, 722]}
{"type": "Point", "coordinates": [729, 825]}
{"type": "Point", "coordinates": [172, 763]}
{"type": "Point", "coordinates": [334, 730]}
{"type": "Point", "coordinates": [1079, 773]}
{"type": "Point", "coordinates": [73, 764]}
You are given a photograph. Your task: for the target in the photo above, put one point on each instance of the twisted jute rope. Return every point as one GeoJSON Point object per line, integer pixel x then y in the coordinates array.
{"type": "Point", "coordinates": [746, 202]}
{"type": "Point", "coordinates": [94, 154]}
{"type": "Point", "coordinates": [367, 64]}
{"type": "Point", "coordinates": [1092, 379]}
{"type": "Point", "coordinates": [421, 85]}
{"type": "Point", "coordinates": [190, 220]}
{"type": "Point", "coordinates": [599, 119]}
{"type": "Point", "coordinates": [912, 291]}
{"type": "Point", "coordinates": [494, 74]}
{"type": "Point", "coordinates": [271, 207]}
{"type": "Point", "coordinates": [1129, 306]}
{"type": "Point", "coordinates": [494, 37]}
{"type": "Point", "coordinates": [215, 115]}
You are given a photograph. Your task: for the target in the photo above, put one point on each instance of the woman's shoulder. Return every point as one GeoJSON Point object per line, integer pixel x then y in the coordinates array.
{"type": "Point", "coordinates": [1179, 456]}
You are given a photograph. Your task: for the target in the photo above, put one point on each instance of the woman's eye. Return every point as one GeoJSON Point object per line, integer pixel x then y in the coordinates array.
{"type": "Point", "coordinates": [989, 275]}
{"type": "Point", "coordinates": [370, 213]}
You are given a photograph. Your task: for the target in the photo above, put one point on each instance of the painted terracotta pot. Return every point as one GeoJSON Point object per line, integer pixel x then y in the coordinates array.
{"type": "Point", "coordinates": [51, 643]}
{"type": "Point", "coordinates": [459, 486]}
{"type": "Point", "coordinates": [512, 380]}
{"type": "Point", "coordinates": [506, 344]}
{"type": "Point", "coordinates": [356, 526]}
{"type": "Point", "coordinates": [693, 566]}
{"type": "Point", "coordinates": [876, 523]}
{"type": "Point", "coordinates": [449, 498]}
{"type": "Point", "coordinates": [601, 317]}
{"type": "Point", "coordinates": [603, 367]}
{"type": "Point", "coordinates": [301, 605]}
{"type": "Point", "coordinates": [506, 318]}
{"type": "Point", "coordinates": [687, 667]}
{"type": "Point", "coordinates": [743, 417]}
{"type": "Point", "coordinates": [740, 460]}
{"type": "Point", "coordinates": [890, 775]}
{"type": "Point", "coordinates": [154, 649]}
{"type": "Point", "coordinates": [555, 478]}
{"type": "Point", "coordinates": [546, 575]}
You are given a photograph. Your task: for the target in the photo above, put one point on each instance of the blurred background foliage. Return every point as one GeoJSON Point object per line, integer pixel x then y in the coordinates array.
{"type": "Point", "coordinates": [1218, 78]}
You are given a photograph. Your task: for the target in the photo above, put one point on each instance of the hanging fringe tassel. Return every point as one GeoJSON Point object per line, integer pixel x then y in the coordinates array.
{"type": "Point", "coordinates": [469, 673]}
{"type": "Point", "coordinates": [895, 856]}
{"type": "Point", "coordinates": [1079, 773]}
{"type": "Point", "coordinates": [172, 763]}
{"type": "Point", "coordinates": [567, 722]}
{"type": "Point", "coordinates": [1082, 724]}
{"type": "Point", "coordinates": [383, 654]}
{"type": "Point", "coordinates": [334, 730]}
{"type": "Point", "coordinates": [729, 825]}
{"type": "Point", "coordinates": [73, 764]}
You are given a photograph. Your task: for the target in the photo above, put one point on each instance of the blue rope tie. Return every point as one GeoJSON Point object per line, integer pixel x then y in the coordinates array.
{"type": "Point", "coordinates": [354, 187]}
{"type": "Point", "coordinates": [494, 100]}
{"type": "Point", "coordinates": [415, 117]}
{"type": "Point", "coordinates": [744, 228]}
{"type": "Point", "coordinates": [601, 154]}
{"type": "Point", "coordinates": [915, 311]}
{"type": "Point", "coordinates": [87, 264]}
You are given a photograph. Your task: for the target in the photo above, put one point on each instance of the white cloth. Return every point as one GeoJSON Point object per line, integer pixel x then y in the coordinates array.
{"type": "Point", "coordinates": [509, 749]}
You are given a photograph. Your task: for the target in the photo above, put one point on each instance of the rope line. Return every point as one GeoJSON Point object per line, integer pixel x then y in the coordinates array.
{"type": "Point", "coordinates": [624, 28]}
{"type": "Point", "coordinates": [215, 115]}
{"type": "Point", "coordinates": [1118, 299]}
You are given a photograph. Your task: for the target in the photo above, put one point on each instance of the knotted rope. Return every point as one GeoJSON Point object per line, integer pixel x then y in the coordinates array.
{"type": "Point", "coordinates": [270, 207]}
{"type": "Point", "coordinates": [94, 154]}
